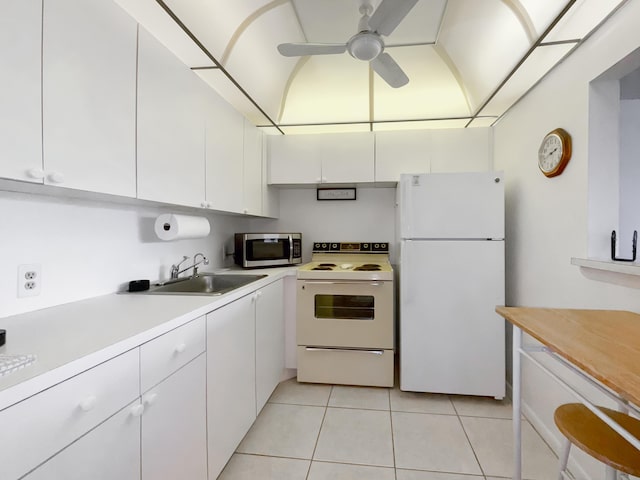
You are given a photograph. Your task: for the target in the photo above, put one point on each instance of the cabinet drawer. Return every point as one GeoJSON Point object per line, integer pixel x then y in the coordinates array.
{"type": "Point", "coordinates": [40, 426]}
{"type": "Point", "coordinates": [344, 366]}
{"type": "Point", "coordinates": [162, 356]}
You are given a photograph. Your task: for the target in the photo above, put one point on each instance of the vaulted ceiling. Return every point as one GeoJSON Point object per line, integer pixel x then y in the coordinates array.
{"type": "Point", "coordinates": [468, 61]}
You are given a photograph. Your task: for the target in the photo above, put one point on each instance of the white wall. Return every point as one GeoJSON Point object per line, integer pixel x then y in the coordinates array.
{"type": "Point", "coordinates": [89, 248]}
{"type": "Point", "coordinates": [371, 217]}
{"type": "Point", "coordinates": [547, 218]}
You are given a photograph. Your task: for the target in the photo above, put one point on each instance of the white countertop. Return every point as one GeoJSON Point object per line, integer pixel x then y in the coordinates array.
{"type": "Point", "coordinates": [71, 338]}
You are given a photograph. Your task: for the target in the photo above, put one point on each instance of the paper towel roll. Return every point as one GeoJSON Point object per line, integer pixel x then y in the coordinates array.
{"type": "Point", "coordinates": [175, 227]}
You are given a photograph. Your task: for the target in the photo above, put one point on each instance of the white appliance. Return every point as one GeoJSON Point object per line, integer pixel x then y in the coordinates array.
{"type": "Point", "coordinates": [451, 235]}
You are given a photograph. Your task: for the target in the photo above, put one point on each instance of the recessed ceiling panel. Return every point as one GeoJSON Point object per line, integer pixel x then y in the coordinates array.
{"type": "Point", "coordinates": [583, 17]}
{"type": "Point", "coordinates": [432, 92]}
{"type": "Point", "coordinates": [256, 64]}
{"type": "Point", "coordinates": [227, 90]}
{"type": "Point", "coordinates": [166, 30]}
{"type": "Point", "coordinates": [304, 129]}
{"type": "Point", "coordinates": [540, 12]}
{"type": "Point", "coordinates": [328, 89]}
{"type": "Point", "coordinates": [533, 69]}
{"type": "Point", "coordinates": [214, 22]}
{"type": "Point", "coordinates": [484, 40]}
{"type": "Point", "coordinates": [420, 125]}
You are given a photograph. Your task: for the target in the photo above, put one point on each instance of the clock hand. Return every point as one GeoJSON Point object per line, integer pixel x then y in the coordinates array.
{"type": "Point", "coordinates": [552, 152]}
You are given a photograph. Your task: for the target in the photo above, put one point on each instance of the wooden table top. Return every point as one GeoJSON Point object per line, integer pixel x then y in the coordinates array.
{"type": "Point", "coordinates": [603, 343]}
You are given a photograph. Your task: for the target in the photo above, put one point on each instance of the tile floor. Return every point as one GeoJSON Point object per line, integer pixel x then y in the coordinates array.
{"type": "Point", "coordinates": [321, 432]}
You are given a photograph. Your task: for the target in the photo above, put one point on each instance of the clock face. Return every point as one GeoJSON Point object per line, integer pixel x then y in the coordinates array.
{"type": "Point", "coordinates": [550, 153]}
{"type": "Point", "coordinates": [554, 153]}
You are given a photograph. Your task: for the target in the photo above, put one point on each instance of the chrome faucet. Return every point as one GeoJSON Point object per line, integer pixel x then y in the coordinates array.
{"type": "Point", "coordinates": [175, 269]}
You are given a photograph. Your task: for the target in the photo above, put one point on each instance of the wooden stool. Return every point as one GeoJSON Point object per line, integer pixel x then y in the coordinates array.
{"type": "Point", "coordinates": [584, 429]}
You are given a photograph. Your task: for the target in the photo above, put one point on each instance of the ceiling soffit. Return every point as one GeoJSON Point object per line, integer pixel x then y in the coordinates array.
{"type": "Point", "coordinates": [467, 60]}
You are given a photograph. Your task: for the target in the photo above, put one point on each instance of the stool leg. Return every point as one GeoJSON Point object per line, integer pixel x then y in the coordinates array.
{"type": "Point", "coordinates": [610, 473]}
{"type": "Point", "coordinates": [564, 458]}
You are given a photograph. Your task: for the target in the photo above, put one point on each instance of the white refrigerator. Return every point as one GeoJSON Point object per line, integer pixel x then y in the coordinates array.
{"type": "Point", "coordinates": [451, 238]}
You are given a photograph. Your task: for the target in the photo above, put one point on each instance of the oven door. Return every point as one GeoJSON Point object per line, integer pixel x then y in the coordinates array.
{"type": "Point", "coordinates": [351, 314]}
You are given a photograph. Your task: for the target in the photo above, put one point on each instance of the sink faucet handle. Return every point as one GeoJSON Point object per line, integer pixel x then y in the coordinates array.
{"type": "Point", "coordinates": [175, 268]}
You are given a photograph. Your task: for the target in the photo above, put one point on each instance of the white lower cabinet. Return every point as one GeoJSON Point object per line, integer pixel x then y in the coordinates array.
{"type": "Point", "coordinates": [110, 451]}
{"type": "Point", "coordinates": [269, 341]}
{"type": "Point", "coordinates": [231, 388]}
{"type": "Point", "coordinates": [174, 434]}
{"type": "Point", "coordinates": [245, 361]}
{"type": "Point", "coordinates": [41, 426]}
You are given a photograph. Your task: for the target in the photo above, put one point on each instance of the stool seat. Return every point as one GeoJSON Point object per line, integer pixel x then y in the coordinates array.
{"type": "Point", "coordinates": [585, 430]}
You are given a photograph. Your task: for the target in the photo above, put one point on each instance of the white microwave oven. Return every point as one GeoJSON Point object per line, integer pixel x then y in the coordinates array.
{"type": "Point", "coordinates": [267, 249]}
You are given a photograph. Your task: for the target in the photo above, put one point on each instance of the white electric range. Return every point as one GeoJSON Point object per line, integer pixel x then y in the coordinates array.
{"type": "Point", "coordinates": [345, 315]}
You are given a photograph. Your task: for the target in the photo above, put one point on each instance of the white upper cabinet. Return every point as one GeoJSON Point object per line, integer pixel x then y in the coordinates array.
{"type": "Point", "coordinates": [20, 97]}
{"type": "Point", "coordinates": [294, 159]}
{"type": "Point", "coordinates": [347, 158]}
{"type": "Point", "coordinates": [224, 155]}
{"type": "Point", "coordinates": [89, 96]}
{"type": "Point", "coordinates": [402, 152]}
{"type": "Point", "coordinates": [252, 189]}
{"type": "Point", "coordinates": [171, 127]}
{"type": "Point", "coordinates": [461, 150]}
{"type": "Point", "coordinates": [327, 158]}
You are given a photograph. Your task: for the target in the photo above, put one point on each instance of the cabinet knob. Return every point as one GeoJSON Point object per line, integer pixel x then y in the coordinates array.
{"type": "Point", "coordinates": [258, 294]}
{"type": "Point", "coordinates": [245, 211]}
{"type": "Point", "coordinates": [204, 204]}
{"type": "Point", "coordinates": [324, 179]}
{"type": "Point", "coordinates": [56, 177]}
{"type": "Point", "coordinates": [35, 173]}
{"type": "Point", "coordinates": [137, 410]}
{"type": "Point", "coordinates": [318, 180]}
{"type": "Point", "coordinates": [88, 403]}
{"type": "Point", "coordinates": [151, 398]}
{"type": "Point", "coordinates": [181, 348]}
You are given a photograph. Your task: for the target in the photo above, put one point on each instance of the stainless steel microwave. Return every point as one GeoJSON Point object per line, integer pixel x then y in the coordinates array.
{"type": "Point", "coordinates": [267, 249]}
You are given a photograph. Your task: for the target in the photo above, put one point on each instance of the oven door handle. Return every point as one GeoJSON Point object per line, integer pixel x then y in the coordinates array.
{"type": "Point", "coordinates": [375, 284]}
{"type": "Point", "coordinates": [320, 349]}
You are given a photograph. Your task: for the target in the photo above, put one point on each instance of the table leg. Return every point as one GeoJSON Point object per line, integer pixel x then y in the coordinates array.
{"type": "Point", "coordinates": [516, 395]}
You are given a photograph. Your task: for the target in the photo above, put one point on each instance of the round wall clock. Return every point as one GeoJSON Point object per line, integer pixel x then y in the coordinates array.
{"type": "Point", "coordinates": [554, 152]}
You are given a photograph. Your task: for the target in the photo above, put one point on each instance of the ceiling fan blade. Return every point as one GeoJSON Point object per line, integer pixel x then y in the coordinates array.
{"type": "Point", "coordinates": [389, 15]}
{"type": "Point", "coordinates": [301, 49]}
{"type": "Point", "coordinates": [389, 70]}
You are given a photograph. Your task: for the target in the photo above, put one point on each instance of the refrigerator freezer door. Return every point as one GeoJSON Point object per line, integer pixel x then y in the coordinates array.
{"type": "Point", "coordinates": [452, 205]}
{"type": "Point", "coordinates": [451, 339]}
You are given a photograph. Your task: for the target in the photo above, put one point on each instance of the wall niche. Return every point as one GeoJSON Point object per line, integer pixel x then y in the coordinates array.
{"type": "Point", "coordinates": [614, 159]}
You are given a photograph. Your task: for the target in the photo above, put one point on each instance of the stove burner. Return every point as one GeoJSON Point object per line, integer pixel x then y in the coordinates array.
{"type": "Point", "coordinates": [368, 267]}
{"type": "Point", "coordinates": [326, 264]}
{"type": "Point", "coordinates": [320, 267]}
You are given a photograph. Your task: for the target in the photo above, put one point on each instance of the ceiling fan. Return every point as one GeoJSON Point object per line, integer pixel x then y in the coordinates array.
{"type": "Point", "coordinates": [367, 44]}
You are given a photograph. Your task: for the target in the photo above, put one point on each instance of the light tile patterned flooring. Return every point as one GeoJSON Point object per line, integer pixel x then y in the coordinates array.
{"type": "Point", "coordinates": [322, 432]}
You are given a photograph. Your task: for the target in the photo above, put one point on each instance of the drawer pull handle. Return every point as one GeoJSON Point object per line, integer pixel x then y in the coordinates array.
{"type": "Point", "coordinates": [137, 410]}
{"type": "Point", "coordinates": [151, 398]}
{"type": "Point", "coordinates": [181, 348]}
{"type": "Point", "coordinates": [88, 403]}
{"type": "Point", "coordinates": [349, 350]}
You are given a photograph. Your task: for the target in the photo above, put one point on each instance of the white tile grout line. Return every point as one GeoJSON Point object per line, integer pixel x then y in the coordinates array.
{"type": "Point", "coordinates": [471, 445]}
{"type": "Point", "coordinates": [313, 454]}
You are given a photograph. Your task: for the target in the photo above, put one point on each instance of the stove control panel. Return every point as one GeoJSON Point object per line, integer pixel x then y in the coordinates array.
{"type": "Point", "coordinates": [350, 247]}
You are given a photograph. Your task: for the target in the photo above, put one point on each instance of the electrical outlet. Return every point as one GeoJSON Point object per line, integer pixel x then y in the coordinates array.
{"type": "Point", "coordinates": [29, 280]}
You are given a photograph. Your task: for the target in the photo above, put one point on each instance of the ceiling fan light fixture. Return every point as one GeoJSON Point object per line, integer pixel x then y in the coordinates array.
{"type": "Point", "coordinates": [365, 46]}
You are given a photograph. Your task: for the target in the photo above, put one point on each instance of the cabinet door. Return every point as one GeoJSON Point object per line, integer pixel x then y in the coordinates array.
{"type": "Point", "coordinates": [171, 127]}
{"type": "Point", "coordinates": [347, 157]}
{"type": "Point", "coordinates": [174, 435]}
{"type": "Point", "coordinates": [402, 152]}
{"type": "Point", "coordinates": [269, 341]}
{"type": "Point", "coordinates": [252, 170]}
{"type": "Point", "coordinates": [231, 394]}
{"type": "Point", "coordinates": [294, 159]}
{"type": "Point", "coordinates": [224, 155]}
{"type": "Point", "coordinates": [461, 150]}
{"type": "Point", "coordinates": [20, 91]}
{"type": "Point", "coordinates": [89, 96]}
{"type": "Point", "coordinates": [110, 451]}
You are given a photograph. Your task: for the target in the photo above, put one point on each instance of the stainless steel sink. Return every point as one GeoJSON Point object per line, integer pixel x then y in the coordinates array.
{"type": "Point", "coordinates": [203, 284]}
